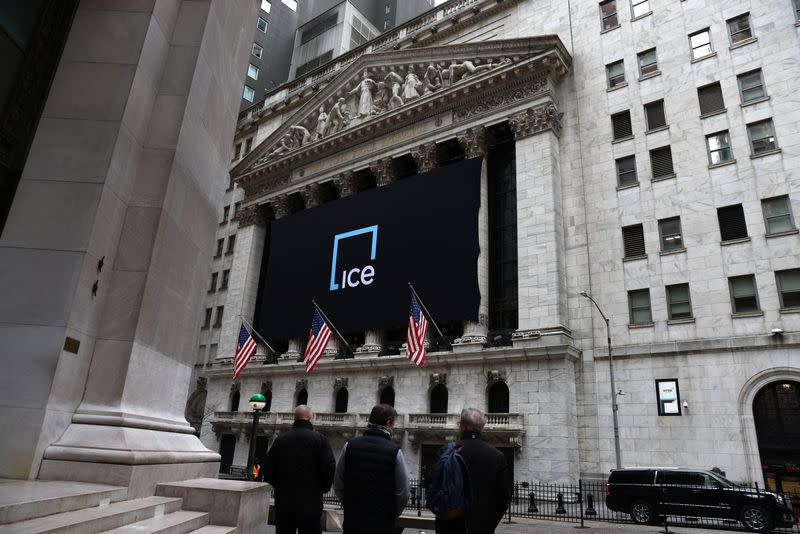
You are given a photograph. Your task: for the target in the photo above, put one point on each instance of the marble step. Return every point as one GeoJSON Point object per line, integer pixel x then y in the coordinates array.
{"type": "Point", "coordinates": [215, 529]}
{"type": "Point", "coordinates": [97, 519]}
{"type": "Point", "coordinates": [28, 499]}
{"type": "Point", "coordinates": [180, 522]}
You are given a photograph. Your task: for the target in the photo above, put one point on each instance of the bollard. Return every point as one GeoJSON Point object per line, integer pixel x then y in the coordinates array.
{"type": "Point", "coordinates": [560, 508]}
{"type": "Point", "coordinates": [532, 508]}
{"type": "Point", "coordinates": [590, 505]}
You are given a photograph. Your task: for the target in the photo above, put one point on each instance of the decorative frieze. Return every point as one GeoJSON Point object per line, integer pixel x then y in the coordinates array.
{"type": "Point", "coordinates": [501, 99]}
{"type": "Point", "coordinates": [536, 120]}
{"type": "Point", "coordinates": [268, 186]}
{"type": "Point", "coordinates": [384, 171]}
{"type": "Point", "coordinates": [473, 141]}
{"type": "Point", "coordinates": [345, 183]}
{"type": "Point", "coordinates": [426, 157]}
{"type": "Point", "coordinates": [251, 215]}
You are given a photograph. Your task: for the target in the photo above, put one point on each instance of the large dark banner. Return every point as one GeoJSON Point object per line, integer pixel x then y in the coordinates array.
{"type": "Point", "coordinates": [356, 256]}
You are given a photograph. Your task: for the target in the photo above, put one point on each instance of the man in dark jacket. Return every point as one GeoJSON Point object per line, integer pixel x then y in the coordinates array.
{"type": "Point", "coordinates": [371, 477]}
{"type": "Point", "coordinates": [488, 476]}
{"type": "Point", "coordinates": [300, 466]}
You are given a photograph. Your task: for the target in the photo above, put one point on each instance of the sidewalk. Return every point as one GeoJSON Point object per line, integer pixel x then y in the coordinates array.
{"type": "Point", "coordinates": [532, 526]}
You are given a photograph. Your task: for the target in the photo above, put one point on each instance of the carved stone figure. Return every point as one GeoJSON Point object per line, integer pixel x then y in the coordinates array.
{"type": "Point", "coordinates": [467, 69]}
{"type": "Point", "coordinates": [412, 86]}
{"type": "Point", "coordinates": [301, 135]}
{"type": "Point", "coordinates": [286, 145]}
{"type": "Point", "coordinates": [337, 118]}
{"type": "Point", "coordinates": [322, 120]}
{"type": "Point", "coordinates": [365, 90]}
{"type": "Point", "coordinates": [432, 80]}
{"type": "Point", "coordinates": [394, 82]}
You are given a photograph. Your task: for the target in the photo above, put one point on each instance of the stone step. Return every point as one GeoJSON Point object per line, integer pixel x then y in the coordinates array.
{"type": "Point", "coordinates": [180, 522]}
{"type": "Point", "coordinates": [97, 519]}
{"type": "Point", "coordinates": [28, 499]}
{"type": "Point", "coordinates": [215, 529]}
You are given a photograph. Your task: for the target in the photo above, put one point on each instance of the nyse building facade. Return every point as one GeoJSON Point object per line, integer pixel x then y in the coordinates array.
{"type": "Point", "coordinates": [644, 152]}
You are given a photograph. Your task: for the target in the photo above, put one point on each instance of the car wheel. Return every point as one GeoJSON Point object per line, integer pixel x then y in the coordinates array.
{"type": "Point", "coordinates": [642, 512]}
{"type": "Point", "coordinates": [754, 518]}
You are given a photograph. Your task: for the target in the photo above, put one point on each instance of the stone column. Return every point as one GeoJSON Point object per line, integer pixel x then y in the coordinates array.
{"type": "Point", "coordinates": [540, 246]}
{"type": "Point", "coordinates": [119, 265]}
{"type": "Point", "coordinates": [374, 340]}
{"type": "Point", "coordinates": [473, 141]}
{"type": "Point", "coordinates": [426, 157]}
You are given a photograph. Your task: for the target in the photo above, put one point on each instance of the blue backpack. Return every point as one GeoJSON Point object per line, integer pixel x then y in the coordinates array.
{"type": "Point", "coordinates": [450, 489]}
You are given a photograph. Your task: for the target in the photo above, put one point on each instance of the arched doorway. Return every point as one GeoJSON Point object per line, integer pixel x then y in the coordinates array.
{"type": "Point", "coordinates": [302, 397]}
{"type": "Point", "coordinates": [342, 397]}
{"type": "Point", "coordinates": [439, 399]}
{"type": "Point", "coordinates": [776, 413]}
{"type": "Point", "coordinates": [387, 396]}
{"type": "Point", "coordinates": [498, 398]}
{"type": "Point", "coordinates": [235, 401]}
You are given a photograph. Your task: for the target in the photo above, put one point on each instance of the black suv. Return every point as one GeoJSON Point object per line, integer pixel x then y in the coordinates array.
{"type": "Point", "coordinates": [649, 494]}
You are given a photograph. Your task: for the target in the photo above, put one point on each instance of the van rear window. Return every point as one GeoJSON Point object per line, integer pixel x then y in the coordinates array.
{"type": "Point", "coordinates": [643, 476]}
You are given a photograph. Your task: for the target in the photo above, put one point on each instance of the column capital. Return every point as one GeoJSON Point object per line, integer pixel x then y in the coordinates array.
{"type": "Point", "coordinates": [536, 120]}
{"type": "Point", "coordinates": [280, 206]}
{"type": "Point", "coordinates": [473, 141]}
{"type": "Point", "coordinates": [311, 195]}
{"type": "Point", "coordinates": [255, 214]}
{"type": "Point", "coordinates": [345, 183]}
{"type": "Point", "coordinates": [384, 171]}
{"type": "Point", "coordinates": [426, 156]}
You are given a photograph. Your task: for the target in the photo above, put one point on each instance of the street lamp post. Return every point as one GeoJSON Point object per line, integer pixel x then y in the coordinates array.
{"type": "Point", "coordinates": [614, 405]}
{"type": "Point", "coordinates": [257, 401]}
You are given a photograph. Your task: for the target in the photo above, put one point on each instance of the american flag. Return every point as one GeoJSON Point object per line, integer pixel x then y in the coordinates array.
{"type": "Point", "coordinates": [317, 341]}
{"type": "Point", "coordinates": [417, 326]}
{"type": "Point", "coordinates": [245, 349]}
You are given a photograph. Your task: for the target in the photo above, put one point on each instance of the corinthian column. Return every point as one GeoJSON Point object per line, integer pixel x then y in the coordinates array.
{"type": "Point", "coordinates": [473, 141]}
{"type": "Point", "coordinates": [426, 157]}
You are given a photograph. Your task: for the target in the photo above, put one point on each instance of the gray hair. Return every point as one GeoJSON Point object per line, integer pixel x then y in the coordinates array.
{"type": "Point", "coordinates": [473, 419]}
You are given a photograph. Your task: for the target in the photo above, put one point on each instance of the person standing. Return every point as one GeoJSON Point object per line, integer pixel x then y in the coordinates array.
{"type": "Point", "coordinates": [300, 466]}
{"type": "Point", "coordinates": [488, 479]}
{"type": "Point", "coordinates": [371, 477]}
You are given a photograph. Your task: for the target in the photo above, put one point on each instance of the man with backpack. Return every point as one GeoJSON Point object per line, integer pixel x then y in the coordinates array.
{"type": "Point", "coordinates": [470, 490]}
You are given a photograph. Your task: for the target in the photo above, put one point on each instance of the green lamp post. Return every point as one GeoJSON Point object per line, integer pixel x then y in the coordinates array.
{"type": "Point", "coordinates": [257, 401]}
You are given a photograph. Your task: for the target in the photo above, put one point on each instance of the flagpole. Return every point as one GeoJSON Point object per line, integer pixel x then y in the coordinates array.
{"type": "Point", "coordinates": [425, 309]}
{"type": "Point", "coordinates": [252, 329]}
{"type": "Point", "coordinates": [327, 320]}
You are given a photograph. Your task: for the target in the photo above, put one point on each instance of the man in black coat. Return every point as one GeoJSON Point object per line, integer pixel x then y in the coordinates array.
{"type": "Point", "coordinates": [300, 467]}
{"type": "Point", "coordinates": [371, 477]}
{"type": "Point", "coordinates": [488, 475]}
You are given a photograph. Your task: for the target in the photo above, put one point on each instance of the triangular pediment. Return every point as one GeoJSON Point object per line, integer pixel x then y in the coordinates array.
{"type": "Point", "coordinates": [384, 89]}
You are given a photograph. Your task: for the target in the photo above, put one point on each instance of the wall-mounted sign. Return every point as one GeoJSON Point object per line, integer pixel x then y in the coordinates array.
{"type": "Point", "coordinates": [668, 396]}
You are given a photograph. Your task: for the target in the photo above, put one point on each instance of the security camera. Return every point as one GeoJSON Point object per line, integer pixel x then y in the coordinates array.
{"type": "Point", "coordinates": [777, 331]}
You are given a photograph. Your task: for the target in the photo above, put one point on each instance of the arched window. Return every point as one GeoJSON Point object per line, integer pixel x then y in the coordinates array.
{"type": "Point", "coordinates": [439, 399]}
{"type": "Point", "coordinates": [268, 396]}
{"type": "Point", "coordinates": [341, 400]}
{"type": "Point", "coordinates": [302, 397]}
{"type": "Point", "coordinates": [776, 410]}
{"type": "Point", "coordinates": [387, 396]}
{"type": "Point", "coordinates": [235, 401]}
{"type": "Point", "coordinates": [498, 398]}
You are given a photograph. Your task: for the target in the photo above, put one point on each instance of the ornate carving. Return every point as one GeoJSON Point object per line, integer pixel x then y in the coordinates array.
{"type": "Point", "coordinates": [386, 380]}
{"type": "Point", "coordinates": [383, 169]}
{"type": "Point", "coordinates": [280, 206]}
{"type": "Point", "coordinates": [365, 90]}
{"type": "Point", "coordinates": [202, 383]}
{"type": "Point", "coordinates": [266, 386]}
{"type": "Point", "coordinates": [301, 383]}
{"type": "Point", "coordinates": [339, 383]}
{"type": "Point", "coordinates": [438, 378]}
{"type": "Point", "coordinates": [426, 157]}
{"type": "Point", "coordinates": [311, 195]}
{"type": "Point", "coordinates": [267, 186]}
{"type": "Point", "coordinates": [536, 120]}
{"type": "Point", "coordinates": [502, 99]}
{"type": "Point", "coordinates": [473, 141]}
{"type": "Point", "coordinates": [494, 376]}
{"type": "Point", "coordinates": [251, 215]}
{"type": "Point", "coordinates": [345, 183]}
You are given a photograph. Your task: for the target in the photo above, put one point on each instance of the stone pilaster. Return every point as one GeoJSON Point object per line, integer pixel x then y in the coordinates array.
{"type": "Point", "coordinates": [384, 172]}
{"type": "Point", "coordinates": [345, 184]}
{"type": "Point", "coordinates": [311, 195]}
{"type": "Point", "coordinates": [473, 141]}
{"type": "Point", "coordinates": [426, 157]}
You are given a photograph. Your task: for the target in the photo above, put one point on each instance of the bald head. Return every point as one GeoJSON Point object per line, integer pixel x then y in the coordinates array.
{"type": "Point", "coordinates": [303, 413]}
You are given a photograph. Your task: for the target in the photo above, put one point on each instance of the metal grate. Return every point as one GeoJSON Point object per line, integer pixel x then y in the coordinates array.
{"type": "Point", "coordinates": [621, 123]}
{"type": "Point", "coordinates": [732, 224]}
{"type": "Point", "coordinates": [710, 98]}
{"type": "Point", "coordinates": [633, 238]}
{"type": "Point", "coordinates": [654, 114]}
{"type": "Point", "coordinates": [661, 162]}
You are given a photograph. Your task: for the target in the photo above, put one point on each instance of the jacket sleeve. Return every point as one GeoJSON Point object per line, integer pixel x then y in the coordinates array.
{"type": "Point", "coordinates": [270, 464]}
{"type": "Point", "coordinates": [503, 489]}
{"type": "Point", "coordinates": [327, 466]}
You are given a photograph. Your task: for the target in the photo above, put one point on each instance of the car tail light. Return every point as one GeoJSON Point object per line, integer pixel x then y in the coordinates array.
{"type": "Point", "coordinates": [608, 490]}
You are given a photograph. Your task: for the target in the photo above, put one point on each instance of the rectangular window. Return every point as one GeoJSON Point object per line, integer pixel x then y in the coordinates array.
{"type": "Point", "coordinates": [252, 71]}
{"type": "Point", "coordinates": [248, 145]}
{"type": "Point", "coordinates": [213, 282]}
{"type": "Point", "coordinates": [237, 151]}
{"type": "Point", "coordinates": [207, 320]}
{"type": "Point", "coordinates": [386, 24]}
{"type": "Point", "coordinates": [257, 50]}
{"type": "Point", "coordinates": [231, 244]}
{"type": "Point", "coordinates": [739, 28]}
{"type": "Point", "coordinates": [654, 115]}
{"type": "Point", "coordinates": [633, 241]}
{"type": "Point", "coordinates": [648, 62]}
{"type": "Point", "coordinates": [661, 162]}
{"type": "Point", "coordinates": [615, 74]}
{"type": "Point", "coordinates": [751, 86]}
{"type": "Point", "coordinates": [266, 5]}
{"type": "Point", "coordinates": [225, 212]}
{"type": "Point", "coordinates": [248, 94]}
{"type": "Point", "coordinates": [236, 207]}
{"type": "Point", "coordinates": [710, 97]}
{"type": "Point", "coordinates": [621, 123]}
{"type": "Point", "coordinates": [789, 288]}
{"type": "Point", "coordinates": [669, 403]}
{"type": "Point", "coordinates": [732, 224]}
{"type": "Point", "coordinates": [671, 235]}
{"type": "Point", "coordinates": [744, 297]}
{"type": "Point", "coordinates": [700, 44]}
{"type": "Point", "coordinates": [797, 9]}
{"type": "Point", "coordinates": [762, 137]}
{"type": "Point", "coordinates": [639, 306]}
{"type": "Point", "coordinates": [719, 148]}
{"type": "Point", "coordinates": [608, 15]}
{"type": "Point", "coordinates": [388, 8]}
{"type": "Point", "coordinates": [218, 321]}
{"type": "Point", "coordinates": [640, 8]}
{"type": "Point", "coordinates": [291, 4]}
{"type": "Point", "coordinates": [503, 270]}
{"type": "Point", "coordinates": [220, 244]}
{"type": "Point", "coordinates": [777, 215]}
{"type": "Point", "coordinates": [225, 276]}
{"type": "Point", "coordinates": [262, 25]}
{"type": "Point", "coordinates": [626, 171]}
{"type": "Point", "coordinates": [679, 305]}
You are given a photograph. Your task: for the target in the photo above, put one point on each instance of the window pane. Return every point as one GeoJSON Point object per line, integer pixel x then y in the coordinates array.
{"type": "Point", "coordinates": [680, 310]}
{"type": "Point", "coordinates": [262, 25]}
{"type": "Point", "coordinates": [265, 5]}
{"type": "Point", "coordinates": [711, 99]}
{"type": "Point", "coordinates": [739, 28]}
{"type": "Point", "coordinates": [671, 238]}
{"type": "Point", "coordinates": [762, 136]}
{"type": "Point", "coordinates": [626, 170]}
{"type": "Point", "coordinates": [248, 94]}
{"type": "Point", "coordinates": [608, 15]}
{"type": "Point", "coordinates": [640, 7]}
{"type": "Point", "coordinates": [640, 306]}
{"type": "Point", "coordinates": [252, 71]}
{"type": "Point", "coordinates": [732, 223]}
{"type": "Point", "coordinates": [654, 113]}
{"type": "Point", "coordinates": [701, 44]}
{"type": "Point", "coordinates": [790, 280]}
{"type": "Point", "coordinates": [777, 215]}
{"type": "Point", "coordinates": [615, 73]}
{"type": "Point", "coordinates": [742, 286]}
{"type": "Point", "coordinates": [648, 62]}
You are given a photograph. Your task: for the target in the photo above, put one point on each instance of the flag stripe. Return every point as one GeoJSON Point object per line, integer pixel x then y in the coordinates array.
{"type": "Point", "coordinates": [245, 348]}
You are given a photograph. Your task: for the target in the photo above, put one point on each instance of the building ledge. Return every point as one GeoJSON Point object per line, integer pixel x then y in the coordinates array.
{"type": "Point", "coordinates": [611, 29]}
{"type": "Point", "coordinates": [618, 86]}
{"type": "Point", "coordinates": [743, 42]}
{"type": "Point", "coordinates": [671, 252]}
{"type": "Point", "coordinates": [642, 325]}
{"type": "Point", "coordinates": [627, 186]}
{"type": "Point", "coordinates": [622, 139]}
{"type": "Point", "coordinates": [659, 129]}
{"type": "Point", "coordinates": [722, 164]}
{"type": "Point", "coordinates": [767, 153]}
{"type": "Point", "coordinates": [687, 320]}
{"type": "Point", "coordinates": [714, 113]}
{"type": "Point", "coordinates": [707, 56]}
{"type": "Point", "coordinates": [754, 101]}
{"type": "Point", "coordinates": [787, 311]}
{"type": "Point", "coordinates": [662, 178]}
{"type": "Point", "coordinates": [744, 315]}
{"type": "Point", "coordinates": [734, 241]}
{"type": "Point", "coordinates": [781, 234]}
{"type": "Point", "coordinates": [642, 16]}
{"type": "Point", "coordinates": [635, 258]}
{"type": "Point", "coordinates": [649, 75]}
